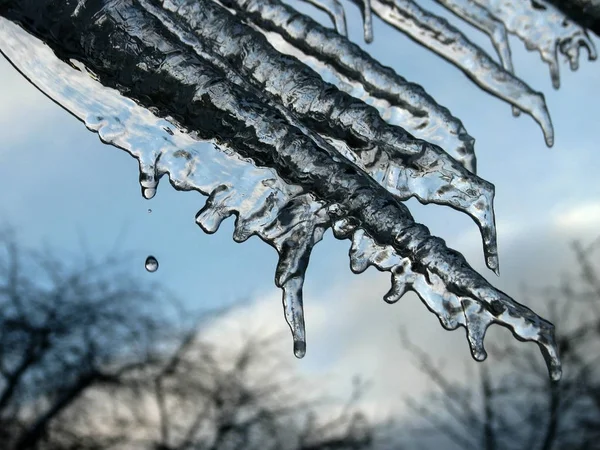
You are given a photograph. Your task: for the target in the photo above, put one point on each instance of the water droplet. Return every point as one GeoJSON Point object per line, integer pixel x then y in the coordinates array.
{"type": "Point", "coordinates": [149, 211]}
{"type": "Point", "coordinates": [299, 349]}
{"type": "Point", "coordinates": [151, 264]}
{"type": "Point", "coordinates": [148, 193]}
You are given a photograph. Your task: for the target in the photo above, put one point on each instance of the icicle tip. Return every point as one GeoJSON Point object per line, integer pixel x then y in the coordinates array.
{"type": "Point", "coordinates": [299, 349]}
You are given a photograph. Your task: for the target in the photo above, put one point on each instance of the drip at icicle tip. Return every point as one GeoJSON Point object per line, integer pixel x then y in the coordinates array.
{"type": "Point", "coordinates": [148, 180]}
{"type": "Point", "coordinates": [151, 264]}
{"type": "Point", "coordinates": [148, 193]}
{"type": "Point", "coordinates": [299, 349]}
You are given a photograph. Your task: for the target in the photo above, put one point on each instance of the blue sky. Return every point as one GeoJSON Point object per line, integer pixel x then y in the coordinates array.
{"type": "Point", "coordinates": [62, 187]}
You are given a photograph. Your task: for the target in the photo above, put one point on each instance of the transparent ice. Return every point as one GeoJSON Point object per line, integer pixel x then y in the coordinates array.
{"type": "Point", "coordinates": [293, 129]}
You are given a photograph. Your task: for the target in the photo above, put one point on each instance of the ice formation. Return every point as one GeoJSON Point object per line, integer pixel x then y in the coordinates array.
{"type": "Point", "coordinates": [291, 128]}
{"type": "Point", "coordinates": [539, 24]}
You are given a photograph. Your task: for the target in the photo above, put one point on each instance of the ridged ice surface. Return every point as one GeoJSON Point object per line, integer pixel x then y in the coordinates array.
{"type": "Point", "coordinates": [538, 23]}
{"type": "Point", "coordinates": [352, 70]}
{"type": "Point", "coordinates": [405, 166]}
{"type": "Point", "coordinates": [280, 172]}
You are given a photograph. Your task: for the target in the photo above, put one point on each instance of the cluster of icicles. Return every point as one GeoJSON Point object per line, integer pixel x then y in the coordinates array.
{"type": "Point", "coordinates": [539, 24]}
{"type": "Point", "coordinates": [293, 129]}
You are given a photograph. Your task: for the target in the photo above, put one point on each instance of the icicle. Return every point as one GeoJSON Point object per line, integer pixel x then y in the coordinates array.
{"type": "Point", "coordinates": [439, 36]}
{"type": "Point", "coordinates": [294, 313]}
{"type": "Point", "coordinates": [299, 226]}
{"type": "Point", "coordinates": [345, 64]}
{"type": "Point", "coordinates": [336, 11]}
{"type": "Point", "coordinates": [367, 16]}
{"type": "Point", "coordinates": [287, 213]}
{"type": "Point", "coordinates": [544, 28]}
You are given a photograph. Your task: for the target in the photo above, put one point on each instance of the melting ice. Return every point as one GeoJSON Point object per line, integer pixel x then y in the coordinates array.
{"type": "Point", "coordinates": [222, 107]}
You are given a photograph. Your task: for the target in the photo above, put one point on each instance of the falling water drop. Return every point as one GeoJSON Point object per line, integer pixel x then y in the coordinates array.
{"type": "Point", "coordinates": [149, 211]}
{"type": "Point", "coordinates": [151, 264]}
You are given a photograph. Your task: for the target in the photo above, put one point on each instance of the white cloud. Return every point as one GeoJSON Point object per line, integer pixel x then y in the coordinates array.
{"type": "Point", "coordinates": [584, 217]}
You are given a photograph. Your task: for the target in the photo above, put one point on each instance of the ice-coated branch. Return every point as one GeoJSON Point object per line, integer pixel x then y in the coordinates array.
{"type": "Point", "coordinates": [438, 35]}
{"type": "Point", "coordinates": [475, 14]}
{"type": "Point", "coordinates": [408, 168]}
{"type": "Point", "coordinates": [282, 184]}
{"type": "Point", "coordinates": [482, 19]}
{"type": "Point", "coordinates": [350, 67]}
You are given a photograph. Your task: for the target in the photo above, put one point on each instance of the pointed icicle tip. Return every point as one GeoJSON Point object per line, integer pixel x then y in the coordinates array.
{"type": "Point", "coordinates": [493, 264]}
{"type": "Point", "coordinates": [294, 313]}
{"type": "Point", "coordinates": [542, 117]}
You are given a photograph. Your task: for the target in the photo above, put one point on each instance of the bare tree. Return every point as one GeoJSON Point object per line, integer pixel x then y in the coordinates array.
{"type": "Point", "coordinates": [93, 358]}
{"type": "Point", "coordinates": [517, 406]}
{"type": "Point", "coordinates": [66, 328]}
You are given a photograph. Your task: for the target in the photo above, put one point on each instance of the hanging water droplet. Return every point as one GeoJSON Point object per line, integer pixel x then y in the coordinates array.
{"type": "Point", "coordinates": [148, 193]}
{"type": "Point", "coordinates": [299, 349]}
{"type": "Point", "coordinates": [151, 264]}
{"type": "Point", "coordinates": [149, 211]}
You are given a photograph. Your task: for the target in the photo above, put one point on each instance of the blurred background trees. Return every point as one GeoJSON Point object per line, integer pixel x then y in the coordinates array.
{"type": "Point", "coordinates": [91, 357]}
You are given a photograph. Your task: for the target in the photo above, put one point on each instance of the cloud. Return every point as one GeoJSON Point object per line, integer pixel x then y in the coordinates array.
{"type": "Point", "coordinates": [582, 217]}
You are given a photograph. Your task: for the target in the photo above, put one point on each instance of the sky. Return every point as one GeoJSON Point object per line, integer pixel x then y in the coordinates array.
{"type": "Point", "coordinates": [61, 187]}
